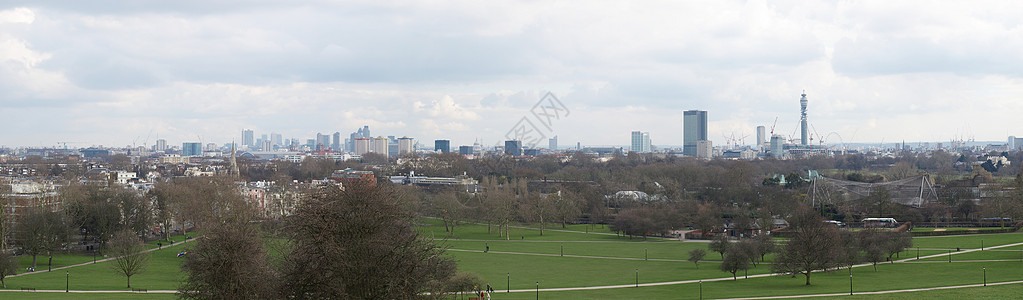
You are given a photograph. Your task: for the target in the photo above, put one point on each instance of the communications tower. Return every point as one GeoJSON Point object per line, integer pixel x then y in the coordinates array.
{"type": "Point", "coordinates": [802, 119]}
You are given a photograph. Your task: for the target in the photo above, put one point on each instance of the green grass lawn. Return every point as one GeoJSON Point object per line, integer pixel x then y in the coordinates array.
{"type": "Point", "coordinates": [624, 256]}
{"type": "Point", "coordinates": [163, 273]}
{"type": "Point", "coordinates": [111, 296]}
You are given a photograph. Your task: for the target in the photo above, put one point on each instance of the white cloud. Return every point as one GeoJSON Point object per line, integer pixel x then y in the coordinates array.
{"type": "Point", "coordinates": [465, 70]}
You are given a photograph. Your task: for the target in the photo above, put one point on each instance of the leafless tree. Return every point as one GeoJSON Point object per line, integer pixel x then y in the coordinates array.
{"type": "Point", "coordinates": [228, 262]}
{"type": "Point", "coordinates": [130, 257]}
{"type": "Point", "coordinates": [41, 231]}
{"type": "Point", "coordinates": [8, 266]}
{"type": "Point", "coordinates": [359, 243]}
{"type": "Point", "coordinates": [735, 260]}
{"type": "Point", "coordinates": [696, 255]}
{"type": "Point", "coordinates": [814, 246]}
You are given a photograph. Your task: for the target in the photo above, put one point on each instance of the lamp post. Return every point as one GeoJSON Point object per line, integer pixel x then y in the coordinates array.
{"type": "Point", "coordinates": [562, 249]}
{"type": "Point", "coordinates": [985, 276]}
{"type": "Point", "coordinates": [850, 281]}
{"type": "Point", "coordinates": [637, 277]}
{"type": "Point", "coordinates": [949, 255]}
{"type": "Point", "coordinates": [508, 284]}
{"type": "Point", "coordinates": [67, 281]}
{"type": "Point", "coordinates": [701, 289]}
{"type": "Point", "coordinates": [537, 290]}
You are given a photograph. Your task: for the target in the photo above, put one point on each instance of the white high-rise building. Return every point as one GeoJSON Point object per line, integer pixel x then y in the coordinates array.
{"type": "Point", "coordinates": [405, 146]}
{"type": "Point", "coordinates": [761, 136]}
{"type": "Point", "coordinates": [361, 146]}
{"type": "Point", "coordinates": [379, 145]}
{"type": "Point", "coordinates": [704, 149]}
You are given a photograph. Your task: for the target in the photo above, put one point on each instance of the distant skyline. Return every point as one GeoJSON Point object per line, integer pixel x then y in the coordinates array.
{"type": "Point", "coordinates": [113, 72]}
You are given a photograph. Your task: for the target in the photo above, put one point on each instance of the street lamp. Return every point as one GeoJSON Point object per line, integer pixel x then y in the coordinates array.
{"type": "Point", "coordinates": [67, 281]}
{"type": "Point", "coordinates": [985, 276]}
{"type": "Point", "coordinates": [508, 284]}
{"type": "Point", "coordinates": [537, 290]}
{"type": "Point", "coordinates": [701, 289]}
{"type": "Point", "coordinates": [637, 277]}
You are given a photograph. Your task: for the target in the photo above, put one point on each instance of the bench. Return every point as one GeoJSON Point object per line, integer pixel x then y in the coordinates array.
{"type": "Point", "coordinates": [28, 289]}
{"type": "Point", "coordinates": [139, 290]}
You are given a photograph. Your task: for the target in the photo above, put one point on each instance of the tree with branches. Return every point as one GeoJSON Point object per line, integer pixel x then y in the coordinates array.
{"type": "Point", "coordinates": [130, 257]}
{"type": "Point", "coordinates": [814, 246]}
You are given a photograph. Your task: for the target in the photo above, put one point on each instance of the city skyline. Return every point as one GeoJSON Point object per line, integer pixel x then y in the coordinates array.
{"type": "Point", "coordinates": [119, 73]}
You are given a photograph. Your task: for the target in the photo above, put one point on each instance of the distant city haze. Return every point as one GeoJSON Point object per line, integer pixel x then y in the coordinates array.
{"type": "Point", "coordinates": [128, 73]}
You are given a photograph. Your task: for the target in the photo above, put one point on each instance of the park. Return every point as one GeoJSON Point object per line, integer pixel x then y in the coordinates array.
{"type": "Point", "coordinates": [593, 262]}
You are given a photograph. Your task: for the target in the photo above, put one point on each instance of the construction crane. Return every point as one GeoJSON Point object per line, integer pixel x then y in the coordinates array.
{"type": "Point", "coordinates": [775, 124]}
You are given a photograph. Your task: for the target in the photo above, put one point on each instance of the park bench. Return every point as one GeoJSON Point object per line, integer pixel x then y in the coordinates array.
{"type": "Point", "coordinates": [139, 290]}
{"type": "Point", "coordinates": [28, 289]}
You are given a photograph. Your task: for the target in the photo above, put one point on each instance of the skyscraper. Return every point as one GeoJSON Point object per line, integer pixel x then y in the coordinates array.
{"type": "Point", "coordinates": [513, 148]}
{"type": "Point", "coordinates": [276, 139]}
{"type": "Point", "coordinates": [161, 145]}
{"type": "Point", "coordinates": [336, 143]}
{"type": "Point", "coordinates": [248, 137]}
{"type": "Point", "coordinates": [553, 143]}
{"type": "Point", "coordinates": [360, 146]}
{"type": "Point", "coordinates": [694, 128]}
{"type": "Point", "coordinates": [640, 141]}
{"type": "Point", "coordinates": [442, 146]}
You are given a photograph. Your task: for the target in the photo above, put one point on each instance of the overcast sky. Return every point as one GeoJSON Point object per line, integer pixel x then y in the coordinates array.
{"type": "Point", "coordinates": [115, 73]}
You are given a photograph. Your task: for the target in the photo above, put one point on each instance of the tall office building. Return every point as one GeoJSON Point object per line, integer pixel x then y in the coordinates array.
{"type": "Point", "coordinates": [191, 149]}
{"type": "Point", "coordinates": [405, 146]}
{"type": "Point", "coordinates": [248, 137]}
{"type": "Point", "coordinates": [552, 143]}
{"type": "Point", "coordinates": [761, 136]}
{"type": "Point", "coordinates": [322, 140]}
{"type": "Point", "coordinates": [442, 146]}
{"type": "Point", "coordinates": [513, 148]}
{"type": "Point", "coordinates": [694, 128]}
{"type": "Point", "coordinates": [336, 143]}
{"type": "Point", "coordinates": [267, 146]}
{"type": "Point", "coordinates": [640, 141]}
{"type": "Point", "coordinates": [465, 150]}
{"type": "Point", "coordinates": [161, 145]}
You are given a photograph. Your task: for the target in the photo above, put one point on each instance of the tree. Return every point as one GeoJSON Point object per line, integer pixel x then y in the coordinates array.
{"type": "Point", "coordinates": [895, 242]}
{"type": "Point", "coordinates": [130, 257]}
{"type": "Point", "coordinates": [228, 262]}
{"type": "Point", "coordinates": [8, 267]}
{"type": "Point", "coordinates": [872, 243]}
{"type": "Point", "coordinates": [696, 255]}
{"type": "Point", "coordinates": [735, 260]}
{"type": "Point", "coordinates": [719, 244]}
{"type": "Point", "coordinates": [765, 245]}
{"type": "Point", "coordinates": [41, 231]}
{"type": "Point", "coordinates": [359, 243]}
{"type": "Point", "coordinates": [814, 245]}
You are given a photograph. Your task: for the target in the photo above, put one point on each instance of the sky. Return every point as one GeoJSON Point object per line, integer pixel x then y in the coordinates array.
{"type": "Point", "coordinates": [119, 73]}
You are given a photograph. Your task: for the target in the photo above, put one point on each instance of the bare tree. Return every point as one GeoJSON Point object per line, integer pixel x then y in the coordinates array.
{"type": "Point", "coordinates": [360, 243]}
{"type": "Point", "coordinates": [8, 266]}
{"type": "Point", "coordinates": [720, 244]}
{"type": "Point", "coordinates": [130, 257]}
{"type": "Point", "coordinates": [41, 231]}
{"type": "Point", "coordinates": [735, 260]}
{"type": "Point", "coordinates": [696, 255]}
{"type": "Point", "coordinates": [228, 262]}
{"type": "Point", "coordinates": [815, 246]}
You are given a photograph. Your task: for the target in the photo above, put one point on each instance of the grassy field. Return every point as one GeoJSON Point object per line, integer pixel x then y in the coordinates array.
{"type": "Point", "coordinates": [596, 257]}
